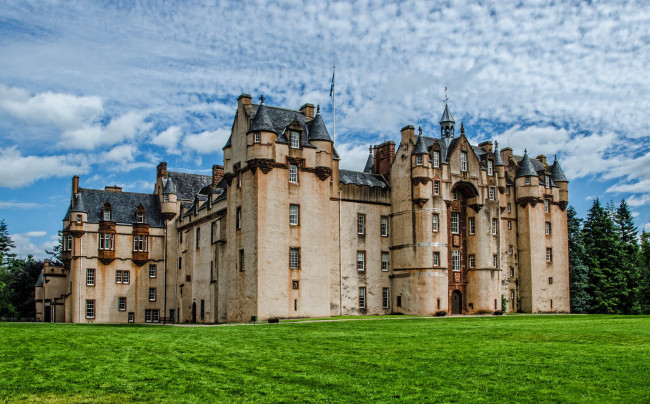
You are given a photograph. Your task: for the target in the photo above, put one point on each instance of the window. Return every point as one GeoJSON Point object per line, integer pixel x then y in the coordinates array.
{"type": "Point", "coordinates": [126, 277]}
{"type": "Point", "coordinates": [463, 161]}
{"type": "Point", "coordinates": [472, 226]}
{"type": "Point", "coordinates": [90, 277]}
{"type": "Point", "coordinates": [361, 261]}
{"type": "Point", "coordinates": [67, 242]}
{"type": "Point", "coordinates": [238, 218]}
{"type": "Point", "coordinates": [384, 261]}
{"type": "Point", "coordinates": [472, 261]}
{"type": "Point", "coordinates": [152, 294]}
{"type": "Point", "coordinates": [509, 208]}
{"type": "Point", "coordinates": [455, 195]}
{"type": "Point", "coordinates": [384, 226]}
{"type": "Point", "coordinates": [294, 215]}
{"type": "Point", "coordinates": [384, 298]}
{"type": "Point", "coordinates": [527, 182]}
{"type": "Point", "coordinates": [436, 159]}
{"type": "Point", "coordinates": [490, 167]}
{"type": "Point", "coordinates": [139, 217]}
{"type": "Point", "coordinates": [165, 199]}
{"type": "Point", "coordinates": [548, 228]}
{"type": "Point", "coordinates": [180, 263]}
{"type": "Point", "coordinates": [512, 272]}
{"type": "Point", "coordinates": [418, 160]}
{"type": "Point", "coordinates": [547, 207]}
{"type": "Point", "coordinates": [295, 140]}
{"type": "Point", "coordinates": [180, 237]}
{"type": "Point", "coordinates": [547, 181]}
{"type": "Point", "coordinates": [213, 231]}
{"type": "Point", "coordinates": [293, 173]}
{"type": "Point", "coordinates": [509, 225]}
{"type": "Point", "coordinates": [494, 260]}
{"type": "Point", "coordinates": [198, 237]}
{"type": "Point", "coordinates": [550, 280]}
{"type": "Point", "coordinates": [90, 309]}
{"type": "Point", "coordinates": [361, 223]}
{"type": "Point", "coordinates": [106, 241]}
{"type": "Point", "coordinates": [295, 284]}
{"type": "Point", "coordinates": [121, 303]}
{"type": "Point", "coordinates": [151, 315]}
{"type": "Point", "coordinates": [258, 138]}
{"type": "Point", "coordinates": [241, 260]}
{"type": "Point", "coordinates": [239, 179]}
{"type": "Point", "coordinates": [508, 191]}
{"type": "Point", "coordinates": [491, 193]}
{"type": "Point", "coordinates": [455, 260]}
{"type": "Point", "coordinates": [510, 250]}
{"type": "Point", "coordinates": [78, 218]}
{"type": "Point", "coordinates": [107, 214]}
{"type": "Point", "coordinates": [152, 271]}
{"type": "Point", "coordinates": [118, 276]}
{"type": "Point", "coordinates": [398, 301]}
{"type": "Point", "coordinates": [455, 219]}
{"type": "Point", "coordinates": [140, 242]}
{"type": "Point", "coordinates": [362, 297]}
{"type": "Point", "coordinates": [202, 309]}
{"type": "Point", "coordinates": [294, 258]}
{"type": "Point", "coordinates": [436, 259]}
{"type": "Point", "coordinates": [435, 221]}
{"type": "Point", "coordinates": [436, 187]}
{"type": "Point", "coordinates": [131, 317]}
{"type": "Point", "coordinates": [495, 224]}
{"type": "Point", "coordinates": [549, 255]}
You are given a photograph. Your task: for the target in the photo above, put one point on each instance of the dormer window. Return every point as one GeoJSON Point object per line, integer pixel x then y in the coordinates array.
{"type": "Point", "coordinates": [139, 217]}
{"type": "Point", "coordinates": [106, 212]}
{"type": "Point", "coordinates": [490, 167]}
{"type": "Point", "coordinates": [295, 140]}
{"type": "Point", "coordinates": [418, 159]}
{"type": "Point", "coordinates": [463, 161]}
{"type": "Point", "coordinates": [258, 137]}
{"type": "Point", "coordinates": [436, 159]}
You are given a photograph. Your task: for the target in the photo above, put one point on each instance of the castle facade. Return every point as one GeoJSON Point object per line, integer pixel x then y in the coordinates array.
{"type": "Point", "coordinates": [432, 224]}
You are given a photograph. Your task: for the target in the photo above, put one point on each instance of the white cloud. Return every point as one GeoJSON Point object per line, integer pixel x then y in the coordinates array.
{"type": "Point", "coordinates": [25, 245]}
{"type": "Point", "coordinates": [20, 205]}
{"type": "Point", "coordinates": [208, 141]}
{"type": "Point", "coordinates": [32, 234]}
{"type": "Point", "coordinates": [120, 154]}
{"type": "Point", "coordinates": [168, 139]}
{"type": "Point", "coordinates": [353, 156]}
{"type": "Point", "coordinates": [641, 200]}
{"type": "Point", "coordinates": [17, 170]}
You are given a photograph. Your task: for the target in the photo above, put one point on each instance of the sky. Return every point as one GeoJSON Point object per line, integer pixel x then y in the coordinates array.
{"type": "Point", "coordinates": [107, 90]}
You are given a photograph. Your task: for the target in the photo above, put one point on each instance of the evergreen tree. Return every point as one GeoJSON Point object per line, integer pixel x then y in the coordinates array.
{"type": "Point", "coordinates": [23, 274]}
{"type": "Point", "coordinates": [578, 271]}
{"type": "Point", "coordinates": [607, 285]}
{"type": "Point", "coordinates": [55, 254]}
{"type": "Point", "coordinates": [6, 243]}
{"type": "Point", "coordinates": [629, 250]}
{"type": "Point", "coordinates": [644, 266]}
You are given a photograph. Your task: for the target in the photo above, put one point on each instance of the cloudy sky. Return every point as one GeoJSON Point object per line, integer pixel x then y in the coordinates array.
{"type": "Point", "coordinates": [106, 90]}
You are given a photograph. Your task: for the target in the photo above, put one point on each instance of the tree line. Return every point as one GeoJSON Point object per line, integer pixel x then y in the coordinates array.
{"type": "Point", "coordinates": [609, 264]}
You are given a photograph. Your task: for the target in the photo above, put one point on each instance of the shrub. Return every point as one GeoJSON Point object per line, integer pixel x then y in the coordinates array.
{"type": "Point", "coordinates": [441, 313]}
{"type": "Point", "coordinates": [498, 312]}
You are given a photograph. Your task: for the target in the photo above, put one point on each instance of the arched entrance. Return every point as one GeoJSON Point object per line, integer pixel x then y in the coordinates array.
{"type": "Point", "coordinates": [194, 312]}
{"type": "Point", "coordinates": [456, 302]}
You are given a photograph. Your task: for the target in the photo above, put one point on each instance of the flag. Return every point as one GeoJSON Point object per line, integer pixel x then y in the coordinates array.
{"type": "Point", "coordinates": [332, 88]}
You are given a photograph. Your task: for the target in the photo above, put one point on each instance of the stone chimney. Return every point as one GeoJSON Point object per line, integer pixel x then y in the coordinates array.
{"type": "Point", "coordinates": [75, 188]}
{"type": "Point", "coordinates": [408, 133]}
{"type": "Point", "coordinates": [506, 155]}
{"type": "Point", "coordinates": [486, 146]}
{"type": "Point", "coordinates": [384, 155]}
{"type": "Point", "coordinates": [113, 188]}
{"type": "Point", "coordinates": [542, 158]}
{"type": "Point", "coordinates": [243, 100]}
{"type": "Point", "coordinates": [162, 169]}
{"type": "Point", "coordinates": [307, 110]}
{"type": "Point", "coordinates": [217, 174]}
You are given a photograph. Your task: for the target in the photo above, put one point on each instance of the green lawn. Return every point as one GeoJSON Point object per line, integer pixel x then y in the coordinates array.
{"type": "Point", "coordinates": [475, 359]}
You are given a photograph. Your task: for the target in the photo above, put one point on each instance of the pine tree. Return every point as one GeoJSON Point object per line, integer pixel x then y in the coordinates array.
{"type": "Point", "coordinates": [607, 285]}
{"type": "Point", "coordinates": [644, 266]}
{"type": "Point", "coordinates": [578, 271]}
{"type": "Point", "coordinates": [628, 265]}
{"type": "Point", "coordinates": [6, 243]}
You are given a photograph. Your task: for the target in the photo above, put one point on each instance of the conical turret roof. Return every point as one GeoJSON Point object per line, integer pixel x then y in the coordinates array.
{"type": "Point", "coordinates": [446, 115]}
{"type": "Point", "coordinates": [78, 205]}
{"type": "Point", "coordinates": [497, 156]}
{"type": "Point", "coordinates": [170, 187]}
{"type": "Point", "coordinates": [526, 168]}
{"type": "Point", "coordinates": [318, 130]}
{"type": "Point", "coordinates": [262, 121]}
{"type": "Point", "coordinates": [369, 163]}
{"type": "Point", "coordinates": [556, 172]}
{"type": "Point", "coordinates": [420, 147]}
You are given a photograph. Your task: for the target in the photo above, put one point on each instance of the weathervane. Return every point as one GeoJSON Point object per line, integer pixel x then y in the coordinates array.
{"type": "Point", "coordinates": [318, 109]}
{"type": "Point", "coordinates": [262, 99]}
{"type": "Point", "coordinates": [446, 98]}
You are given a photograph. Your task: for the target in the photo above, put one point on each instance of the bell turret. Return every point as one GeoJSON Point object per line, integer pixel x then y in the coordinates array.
{"type": "Point", "coordinates": [447, 123]}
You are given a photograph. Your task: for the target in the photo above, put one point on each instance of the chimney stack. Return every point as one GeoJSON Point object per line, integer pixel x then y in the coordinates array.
{"type": "Point", "coordinates": [162, 169]}
{"type": "Point", "coordinates": [408, 133]}
{"type": "Point", "coordinates": [217, 174]}
{"type": "Point", "coordinates": [384, 154]}
{"type": "Point", "coordinates": [307, 110]}
{"type": "Point", "coordinates": [244, 99]}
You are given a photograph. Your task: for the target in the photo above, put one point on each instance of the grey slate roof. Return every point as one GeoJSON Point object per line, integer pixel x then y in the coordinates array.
{"type": "Point", "coordinates": [78, 205]}
{"type": "Point", "coordinates": [526, 168]}
{"type": "Point", "coordinates": [39, 281]}
{"type": "Point", "coordinates": [188, 185]}
{"type": "Point", "coordinates": [369, 164]}
{"type": "Point", "coordinates": [318, 130]}
{"type": "Point", "coordinates": [281, 118]}
{"type": "Point", "coordinates": [170, 187]}
{"type": "Point", "coordinates": [498, 161]}
{"type": "Point", "coordinates": [123, 206]}
{"type": "Point", "coordinates": [557, 175]}
{"type": "Point", "coordinates": [420, 147]}
{"type": "Point", "coordinates": [446, 115]}
{"type": "Point", "coordinates": [262, 121]}
{"type": "Point", "coordinates": [362, 179]}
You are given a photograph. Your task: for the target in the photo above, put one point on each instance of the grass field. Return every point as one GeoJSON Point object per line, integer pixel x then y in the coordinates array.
{"type": "Point", "coordinates": [472, 359]}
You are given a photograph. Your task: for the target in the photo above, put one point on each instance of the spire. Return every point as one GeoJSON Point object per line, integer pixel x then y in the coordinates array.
{"type": "Point", "coordinates": [420, 147]}
{"type": "Point", "coordinates": [262, 121]}
{"type": "Point", "coordinates": [556, 172]}
{"type": "Point", "coordinates": [78, 205]}
{"type": "Point", "coordinates": [318, 130]}
{"type": "Point", "coordinates": [462, 129]}
{"type": "Point", "coordinates": [370, 163]}
{"type": "Point", "coordinates": [170, 187]}
{"type": "Point", "coordinates": [446, 121]}
{"type": "Point", "coordinates": [497, 156]}
{"type": "Point", "coordinates": [526, 168]}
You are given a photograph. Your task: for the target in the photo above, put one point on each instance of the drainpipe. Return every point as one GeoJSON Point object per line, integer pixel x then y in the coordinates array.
{"type": "Point", "coordinates": [165, 275]}
{"type": "Point", "coordinates": [340, 260]}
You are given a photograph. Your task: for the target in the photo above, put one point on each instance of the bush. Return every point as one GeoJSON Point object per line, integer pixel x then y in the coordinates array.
{"type": "Point", "coordinates": [441, 313]}
{"type": "Point", "coordinates": [498, 312]}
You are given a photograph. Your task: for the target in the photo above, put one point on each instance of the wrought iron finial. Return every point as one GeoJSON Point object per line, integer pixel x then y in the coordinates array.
{"type": "Point", "coordinates": [370, 149]}
{"type": "Point", "coordinates": [446, 98]}
{"type": "Point", "coordinates": [496, 144]}
{"type": "Point", "coordinates": [318, 109]}
{"type": "Point", "coordinates": [462, 128]}
{"type": "Point", "coordinates": [420, 130]}
{"type": "Point", "coordinates": [261, 99]}
{"type": "Point", "coordinates": [525, 151]}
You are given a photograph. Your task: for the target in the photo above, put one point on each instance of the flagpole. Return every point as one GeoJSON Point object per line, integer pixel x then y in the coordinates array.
{"type": "Point", "coordinates": [334, 106]}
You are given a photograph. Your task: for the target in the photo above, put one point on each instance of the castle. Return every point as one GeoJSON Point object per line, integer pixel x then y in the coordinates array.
{"type": "Point", "coordinates": [279, 231]}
